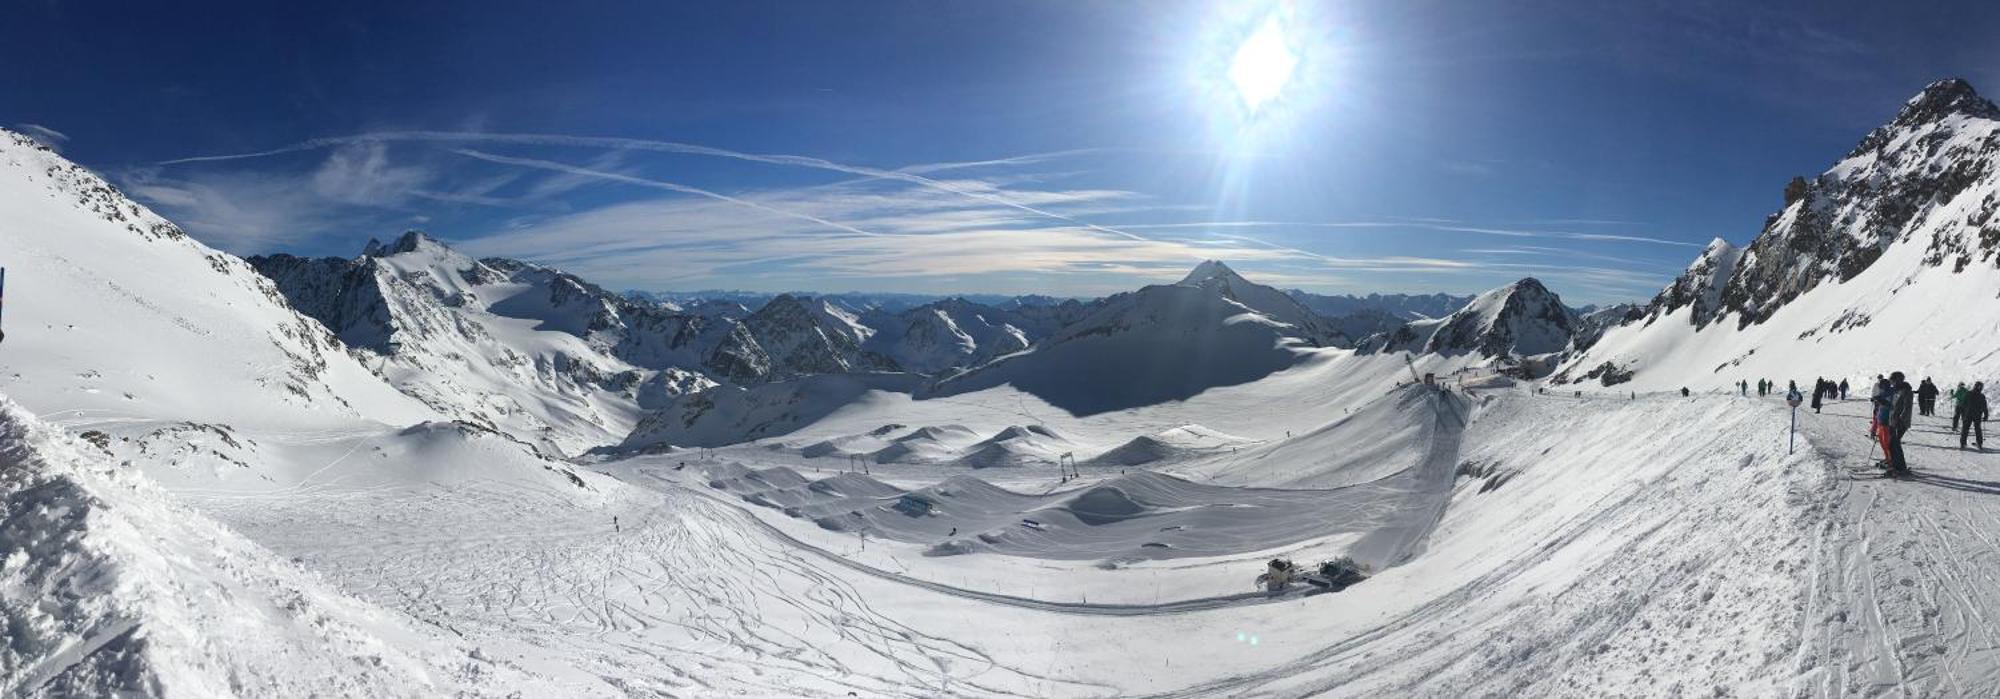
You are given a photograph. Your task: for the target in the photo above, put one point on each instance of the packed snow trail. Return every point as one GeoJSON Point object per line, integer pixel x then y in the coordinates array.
{"type": "Point", "coordinates": [1907, 599]}
{"type": "Point", "coordinates": [684, 598]}
{"type": "Point", "coordinates": [1431, 484]}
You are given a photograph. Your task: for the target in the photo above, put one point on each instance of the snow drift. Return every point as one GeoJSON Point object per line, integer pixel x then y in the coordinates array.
{"type": "Point", "coordinates": [112, 588]}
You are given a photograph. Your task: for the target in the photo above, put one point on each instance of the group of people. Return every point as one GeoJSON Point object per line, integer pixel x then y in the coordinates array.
{"type": "Point", "coordinates": [1895, 399]}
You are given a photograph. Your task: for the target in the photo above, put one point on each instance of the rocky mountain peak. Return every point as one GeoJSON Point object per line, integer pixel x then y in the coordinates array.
{"type": "Point", "coordinates": [1210, 270]}
{"type": "Point", "coordinates": [409, 241]}
{"type": "Point", "coordinates": [1945, 98]}
{"type": "Point", "coordinates": [1520, 319]}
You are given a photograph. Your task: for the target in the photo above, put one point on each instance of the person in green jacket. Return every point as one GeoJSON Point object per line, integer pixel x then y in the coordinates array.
{"type": "Point", "coordinates": [1957, 404]}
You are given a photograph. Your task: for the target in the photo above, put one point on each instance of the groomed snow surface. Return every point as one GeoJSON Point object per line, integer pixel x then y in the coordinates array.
{"type": "Point", "coordinates": [1522, 544]}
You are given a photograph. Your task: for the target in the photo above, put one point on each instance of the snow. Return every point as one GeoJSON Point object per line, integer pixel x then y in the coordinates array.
{"type": "Point", "coordinates": [113, 587]}
{"type": "Point", "coordinates": [258, 505]}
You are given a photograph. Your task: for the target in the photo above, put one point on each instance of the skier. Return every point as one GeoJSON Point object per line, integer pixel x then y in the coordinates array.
{"type": "Point", "coordinates": [1743, 388]}
{"type": "Point", "coordinates": [1973, 408]}
{"type": "Point", "coordinates": [1927, 394]}
{"type": "Point", "coordinates": [1843, 389]}
{"type": "Point", "coordinates": [1684, 391]}
{"type": "Point", "coordinates": [614, 524]}
{"type": "Point", "coordinates": [1878, 417]}
{"type": "Point", "coordinates": [1957, 397]}
{"type": "Point", "coordinates": [1898, 422]}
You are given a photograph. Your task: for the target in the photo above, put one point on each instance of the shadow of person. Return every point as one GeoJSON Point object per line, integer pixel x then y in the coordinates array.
{"type": "Point", "coordinates": [1954, 483]}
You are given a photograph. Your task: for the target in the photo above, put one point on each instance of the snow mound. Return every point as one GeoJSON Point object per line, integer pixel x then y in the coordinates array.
{"type": "Point", "coordinates": [1170, 445]}
{"type": "Point", "coordinates": [931, 444]}
{"type": "Point", "coordinates": [112, 588]}
{"type": "Point", "coordinates": [1104, 504]}
{"type": "Point", "coordinates": [1019, 445]}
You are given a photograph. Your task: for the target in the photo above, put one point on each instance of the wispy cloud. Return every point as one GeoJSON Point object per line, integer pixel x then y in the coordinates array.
{"type": "Point", "coordinates": [908, 175]}
{"type": "Point", "coordinates": [49, 138]}
{"type": "Point", "coordinates": [1421, 224]}
{"type": "Point", "coordinates": [997, 224]}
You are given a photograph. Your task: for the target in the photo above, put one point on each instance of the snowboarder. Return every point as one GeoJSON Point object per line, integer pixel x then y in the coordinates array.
{"type": "Point", "coordinates": [1957, 397]}
{"type": "Point", "coordinates": [1973, 409]}
{"type": "Point", "coordinates": [1843, 389]}
{"type": "Point", "coordinates": [1684, 391]}
{"type": "Point", "coordinates": [1927, 394]}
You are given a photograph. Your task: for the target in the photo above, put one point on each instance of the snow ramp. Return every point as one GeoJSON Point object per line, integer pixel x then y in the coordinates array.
{"type": "Point", "coordinates": [108, 587]}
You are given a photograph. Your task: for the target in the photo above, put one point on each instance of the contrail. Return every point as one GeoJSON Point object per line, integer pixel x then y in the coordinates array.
{"type": "Point", "coordinates": [661, 184]}
{"type": "Point", "coordinates": [662, 147]}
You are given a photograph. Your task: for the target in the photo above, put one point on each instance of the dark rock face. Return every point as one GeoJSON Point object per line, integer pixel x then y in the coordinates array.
{"type": "Point", "coordinates": [1893, 187]}
{"type": "Point", "coordinates": [341, 294]}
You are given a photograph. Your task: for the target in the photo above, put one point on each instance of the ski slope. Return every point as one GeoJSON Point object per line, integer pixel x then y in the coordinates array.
{"type": "Point", "coordinates": [1556, 564]}
{"type": "Point", "coordinates": [1903, 594]}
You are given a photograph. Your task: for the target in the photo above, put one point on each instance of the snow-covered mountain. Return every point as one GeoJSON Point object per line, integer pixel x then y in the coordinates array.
{"type": "Point", "coordinates": [1161, 343]}
{"type": "Point", "coordinates": [1517, 321]}
{"type": "Point", "coordinates": [1878, 261]}
{"type": "Point", "coordinates": [531, 350]}
{"type": "Point", "coordinates": [513, 347]}
{"type": "Point", "coordinates": [1520, 319]}
{"type": "Point", "coordinates": [957, 333]}
{"type": "Point", "coordinates": [92, 271]}
{"type": "Point", "coordinates": [1216, 277]}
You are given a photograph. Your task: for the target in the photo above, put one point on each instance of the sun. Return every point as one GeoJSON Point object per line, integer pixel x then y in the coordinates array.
{"type": "Point", "coordinates": [1262, 66]}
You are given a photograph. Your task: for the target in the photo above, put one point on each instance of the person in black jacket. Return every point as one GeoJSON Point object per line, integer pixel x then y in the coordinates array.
{"type": "Point", "coordinates": [1843, 389]}
{"type": "Point", "coordinates": [1927, 394]}
{"type": "Point", "coordinates": [1972, 412]}
{"type": "Point", "coordinates": [1901, 400]}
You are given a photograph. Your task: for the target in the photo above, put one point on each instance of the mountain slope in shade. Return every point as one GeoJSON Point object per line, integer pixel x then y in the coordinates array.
{"type": "Point", "coordinates": [1877, 264]}
{"type": "Point", "coordinates": [1161, 343]}
{"type": "Point", "coordinates": [1217, 277]}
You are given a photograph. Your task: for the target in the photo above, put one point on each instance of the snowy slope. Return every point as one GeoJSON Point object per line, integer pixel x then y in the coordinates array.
{"type": "Point", "coordinates": [115, 313]}
{"type": "Point", "coordinates": [475, 343]}
{"type": "Point", "coordinates": [1878, 264]}
{"type": "Point", "coordinates": [110, 587]}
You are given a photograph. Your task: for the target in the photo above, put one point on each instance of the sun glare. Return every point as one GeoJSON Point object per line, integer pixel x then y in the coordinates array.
{"type": "Point", "coordinates": [1262, 65]}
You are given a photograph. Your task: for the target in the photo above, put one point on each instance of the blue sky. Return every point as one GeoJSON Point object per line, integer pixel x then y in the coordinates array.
{"type": "Point", "coordinates": [1047, 147]}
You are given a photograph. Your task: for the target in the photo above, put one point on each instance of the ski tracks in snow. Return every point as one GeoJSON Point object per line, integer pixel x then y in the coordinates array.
{"type": "Point", "coordinates": [683, 599]}
{"type": "Point", "coordinates": [1907, 593]}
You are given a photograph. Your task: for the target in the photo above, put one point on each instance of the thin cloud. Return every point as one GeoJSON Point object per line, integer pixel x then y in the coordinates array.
{"type": "Point", "coordinates": [1421, 224]}
{"type": "Point", "coordinates": [659, 184]}
{"type": "Point", "coordinates": [663, 147]}
{"type": "Point", "coordinates": [49, 138]}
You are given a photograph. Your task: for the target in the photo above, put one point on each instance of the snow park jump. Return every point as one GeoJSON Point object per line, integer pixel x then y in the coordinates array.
{"type": "Point", "coordinates": [891, 350]}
